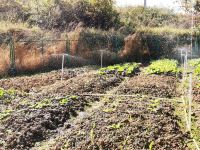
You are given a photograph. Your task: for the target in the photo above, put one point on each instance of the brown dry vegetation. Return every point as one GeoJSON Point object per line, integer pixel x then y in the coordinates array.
{"type": "Point", "coordinates": [4, 59]}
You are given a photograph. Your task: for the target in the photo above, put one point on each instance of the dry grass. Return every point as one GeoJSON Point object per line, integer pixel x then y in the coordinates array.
{"type": "Point", "coordinates": [165, 30]}
{"type": "Point", "coordinates": [6, 26]}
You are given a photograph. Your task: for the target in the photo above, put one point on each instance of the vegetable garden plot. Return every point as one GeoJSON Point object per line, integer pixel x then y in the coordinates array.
{"type": "Point", "coordinates": [32, 118]}
{"type": "Point", "coordinates": [87, 83]}
{"type": "Point", "coordinates": [154, 85]}
{"type": "Point", "coordinates": [28, 83]}
{"type": "Point", "coordinates": [125, 123]}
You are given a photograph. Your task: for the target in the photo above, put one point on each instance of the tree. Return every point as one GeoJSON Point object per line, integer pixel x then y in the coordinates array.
{"type": "Point", "coordinates": [190, 5]}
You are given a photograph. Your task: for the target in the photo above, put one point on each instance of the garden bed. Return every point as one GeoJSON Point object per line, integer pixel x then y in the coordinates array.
{"type": "Point", "coordinates": [125, 123]}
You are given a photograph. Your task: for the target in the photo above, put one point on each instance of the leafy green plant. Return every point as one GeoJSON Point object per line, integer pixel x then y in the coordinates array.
{"type": "Point", "coordinates": [42, 104]}
{"type": "Point", "coordinates": [164, 66]}
{"type": "Point", "coordinates": [92, 134]}
{"type": "Point", "coordinates": [73, 97]}
{"type": "Point", "coordinates": [121, 69]}
{"type": "Point", "coordinates": [109, 110]}
{"type": "Point", "coordinates": [197, 70]}
{"type": "Point", "coordinates": [1, 93]}
{"type": "Point", "coordinates": [151, 145]}
{"type": "Point", "coordinates": [11, 92]}
{"type": "Point", "coordinates": [194, 62]}
{"type": "Point", "coordinates": [153, 106]}
{"type": "Point", "coordinates": [5, 113]}
{"type": "Point", "coordinates": [116, 126]}
{"type": "Point", "coordinates": [64, 101]}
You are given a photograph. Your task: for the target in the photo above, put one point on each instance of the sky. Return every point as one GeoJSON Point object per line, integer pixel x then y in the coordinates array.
{"type": "Point", "coordinates": [172, 4]}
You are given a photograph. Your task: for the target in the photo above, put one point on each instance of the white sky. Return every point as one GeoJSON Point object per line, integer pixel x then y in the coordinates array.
{"type": "Point", "coordinates": [172, 4]}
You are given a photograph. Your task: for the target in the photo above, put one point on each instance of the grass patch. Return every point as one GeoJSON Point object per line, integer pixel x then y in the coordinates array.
{"type": "Point", "coordinates": [6, 26]}
{"type": "Point", "coordinates": [165, 30]}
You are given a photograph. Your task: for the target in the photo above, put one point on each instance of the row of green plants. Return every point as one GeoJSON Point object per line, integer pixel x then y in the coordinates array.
{"type": "Point", "coordinates": [126, 69]}
{"type": "Point", "coordinates": [164, 66]}
{"type": "Point", "coordinates": [196, 64]}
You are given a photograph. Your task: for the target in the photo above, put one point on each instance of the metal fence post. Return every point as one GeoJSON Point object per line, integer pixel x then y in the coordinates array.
{"type": "Point", "coordinates": [68, 48]}
{"type": "Point", "coordinates": [62, 73]}
{"type": "Point", "coordinates": [101, 58]}
{"type": "Point", "coordinates": [12, 70]}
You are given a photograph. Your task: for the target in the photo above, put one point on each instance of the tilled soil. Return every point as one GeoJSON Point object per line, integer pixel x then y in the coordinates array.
{"type": "Point", "coordinates": [26, 83]}
{"type": "Point", "coordinates": [154, 85]}
{"type": "Point", "coordinates": [125, 124]}
{"type": "Point", "coordinates": [87, 83]}
{"type": "Point", "coordinates": [35, 117]}
{"type": "Point", "coordinates": [40, 114]}
{"type": "Point", "coordinates": [196, 94]}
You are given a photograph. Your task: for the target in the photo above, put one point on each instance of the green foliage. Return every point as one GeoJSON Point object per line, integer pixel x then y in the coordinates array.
{"type": "Point", "coordinates": [194, 62]}
{"type": "Point", "coordinates": [151, 145]}
{"type": "Point", "coordinates": [1, 93]}
{"type": "Point", "coordinates": [116, 126]}
{"type": "Point", "coordinates": [5, 113]}
{"type": "Point", "coordinates": [164, 66]}
{"type": "Point", "coordinates": [154, 105]}
{"type": "Point", "coordinates": [64, 101]}
{"type": "Point", "coordinates": [121, 69]}
{"type": "Point", "coordinates": [197, 70]}
{"type": "Point", "coordinates": [151, 17]}
{"type": "Point", "coordinates": [42, 104]}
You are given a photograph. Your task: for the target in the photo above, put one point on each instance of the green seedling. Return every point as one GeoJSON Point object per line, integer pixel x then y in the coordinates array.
{"type": "Point", "coordinates": [92, 134]}
{"type": "Point", "coordinates": [42, 104]}
{"type": "Point", "coordinates": [4, 114]}
{"type": "Point", "coordinates": [109, 110]}
{"type": "Point", "coordinates": [64, 101]}
{"type": "Point", "coordinates": [154, 105]}
{"type": "Point", "coordinates": [151, 145]}
{"type": "Point", "coordinates": [116, 126]}
{"type": "Point", "coordinates": [73, 97]}
{"type": "Point", "coordinates": [11, 92]}
{"type": "Point", "coordinates": [2, 93]}
{"type": "Point", "coordinates": [129, 68]}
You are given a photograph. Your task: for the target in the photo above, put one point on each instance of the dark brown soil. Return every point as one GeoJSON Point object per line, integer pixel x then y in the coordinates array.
{"type": "Point", "coordinates": [28, 125]}
{"type": "Point", "coordinates": [27, 83]}
{"type": "Point", "coordinates": [154, 85]}
{"type": "Point", "coordinates": [196, 94]}
{"type": "Point", "coordinates": [124, 122]}
{"type": "Point", "coordinates": [127, 125]}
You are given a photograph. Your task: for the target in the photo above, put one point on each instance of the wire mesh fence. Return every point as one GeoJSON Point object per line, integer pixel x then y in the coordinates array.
{"type": "Point", "coordinates": [47, 54]}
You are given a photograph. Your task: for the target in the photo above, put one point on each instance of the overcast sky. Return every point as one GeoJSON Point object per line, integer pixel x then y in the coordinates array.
{"type": "Point", "coordinates": [173, 4]}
